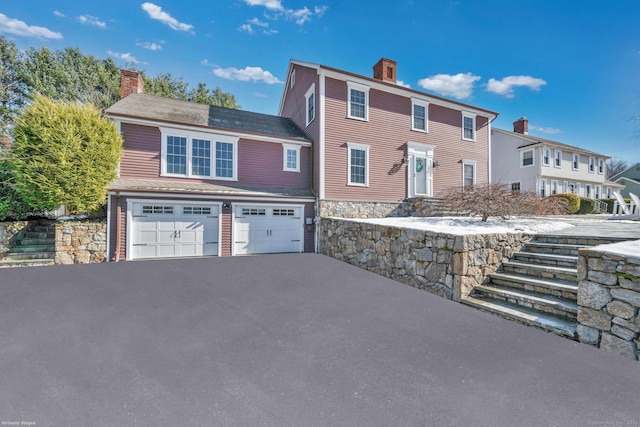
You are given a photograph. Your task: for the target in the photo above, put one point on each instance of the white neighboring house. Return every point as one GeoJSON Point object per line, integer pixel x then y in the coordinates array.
{"type": "Point", "coordinates": [530, 163]}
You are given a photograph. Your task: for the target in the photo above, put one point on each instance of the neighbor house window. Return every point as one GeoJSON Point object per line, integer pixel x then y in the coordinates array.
{"type": "Point", "coordinates": [597, 191]}
{"type": "Point", "coordinates": [592, 165]}
{"type": "Point", "coordinates": [358, 103]}
{"type": "Point", "coordinates": [310, 96]}
{"type": "Point", "coordinates": [600, 166]}
{"type": "Point", "coordinates": [587, 191]}
{"type": "Point", "coordinates": [515, 187]}
{"type": "Point", "coordinates": [576, 162]}
{"type": "Point", "coordinates": [543, 188]}
{"type": "Point", "coordinates": [420, 117]}
{"type": "Point", "coordinates": [198, 155]}
{"type": "Point", "coordinates": [557, 159]}
{"type": "Point", "coordinates": [609, 192]}
{"type": "Point", "coordinates": [565, 187]}
{"type": "Point", "coordinates": [554, 187]}
{"type": "Point", "coordinates": [291, 159]}
{"type": "Point", "coordinates": [468, 126]}
{"type": "Point", "coordinates": [572, 188]}
{"type": "Point", "coordinates": [545, 157]}
{"type": "Point", "coordinates": [526, 158]}
{"type": "Point", "coordinates": [358, 173]}
{"type": "Point", "coordinates": [468, 173]}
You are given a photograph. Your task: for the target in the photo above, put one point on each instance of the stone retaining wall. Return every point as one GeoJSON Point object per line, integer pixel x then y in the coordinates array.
{"type": "Point", "coordinates": [609, 300]}
{"type": "Point", "coordinates": [419, 206]}
{"type": "Point", "coordinates": [8, 232]}
{"type": "Point", "coordinates": [81, 242]}
{"type": "Point", "coordinates": [444, 264]}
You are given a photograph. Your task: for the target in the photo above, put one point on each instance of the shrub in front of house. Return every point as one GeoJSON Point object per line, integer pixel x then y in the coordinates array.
{"type": "Point", "coordinates": [587, 206]}
{"type": "Point", "coordinates": [572, 200]}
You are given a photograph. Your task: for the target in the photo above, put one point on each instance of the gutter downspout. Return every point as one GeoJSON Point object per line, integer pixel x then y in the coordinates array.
{"type": "Point", "coordinates": [118, 227]}
{"type": "Point", "coordinates": [108, 226]}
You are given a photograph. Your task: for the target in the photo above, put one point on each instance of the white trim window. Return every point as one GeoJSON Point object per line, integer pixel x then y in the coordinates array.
{"type": "Point", "coordinates": [597, 191]}
{"type": "Point", "coordinates": [542, 191]}
{"type": "Point", "coordinates": [609, 191]}
{"type": "Point", "coordinates": [516, 186]}
{"type": "Point", "coordinates": [468, 126]}
{"type": "Point", "coordinates": [358, 161]}
{"type": "Point", "coordinates": [587, 191]}
{"type": "Point", "coordinates": [575, 164]}
{"type": "Point", "coordinates": [468, 173]}
{"type": "Point", "coordinates": [565, 187]}
{"type": "Point", "coordinates": [291, 158]}
{"type": "Point", "coordinates": [554, 187]}
{"type": "Point", "coordinates": [310, 98]}
{"type": "Point", "coordinates": [526, 158]}
{"type": "Point", "coordinates": [572, 188]}
{"type": "Point", "coordinates": [419, 115]}
{"type": "Point", "coordinates": [357, 101]}
{"type": "Point", "coordinates": [198, 155]}
{"type": "Point", "coordinates": [546, 159]}
{"type": "Point", "coordinates": [557, 158]}
{"type": "Point", "coordinates": [600, 166]}
{"type": "Point", "coordinates": [592, 165]}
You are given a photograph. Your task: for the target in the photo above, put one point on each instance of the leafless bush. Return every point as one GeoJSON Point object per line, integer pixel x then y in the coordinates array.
{"type": "Point", "coordinates": [497, 200]}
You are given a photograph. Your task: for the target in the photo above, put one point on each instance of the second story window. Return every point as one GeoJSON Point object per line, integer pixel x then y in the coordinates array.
{"type": "Point", "coordinates": [419, 113]}
{"type": "Point", "coordinates": [468, 126]}
{"type": "Point", "coordinates": [600, 166]}
{"type": "Point", "coordinates": [198, 155]}
{"type": "Point", "coordinates": [592, 165]}
{"type": "Point", "coordinates": [545, 157]}
{"type": "Point", "coordinates": [291, 158]}
{"type": "Point", "coordinates": [557, 159]}
{"type": "Point", "coordinates": [576, 162]}
{"type": "Point", "coordinates": [358, 101]}
{"type": "Point", "coordinates": [310, 96]}
{"type": "Point", "coordinates": [526, 158]}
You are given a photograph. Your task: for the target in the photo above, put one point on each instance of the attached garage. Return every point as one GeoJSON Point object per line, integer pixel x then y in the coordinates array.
{"type": "Point", "coordinates": [166, 229]}
{"type": "Point", "coordinates": [261, 229]}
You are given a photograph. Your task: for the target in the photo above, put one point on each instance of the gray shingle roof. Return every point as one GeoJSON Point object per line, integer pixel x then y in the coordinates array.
{"type": "Point", "coordinates": [529, 140]}
{"type": "Point", "coordinates": [158, 108]}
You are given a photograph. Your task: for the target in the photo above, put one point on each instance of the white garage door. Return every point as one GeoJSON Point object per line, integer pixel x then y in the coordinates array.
{"type": "Point", "coordinates": [262, 229]}
{"type": "Point", "coordinates": [168, 230]}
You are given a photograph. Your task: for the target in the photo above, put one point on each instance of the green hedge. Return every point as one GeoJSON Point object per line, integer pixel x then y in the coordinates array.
{"type": "Point", "coordinates": [587, 206]}
{"type": "Point", "coordinates": [573, 201]}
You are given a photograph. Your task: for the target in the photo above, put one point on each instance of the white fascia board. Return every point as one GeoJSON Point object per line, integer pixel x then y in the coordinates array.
{"type": "Point", "coordinates": [181, 196]}
{"type": "Point", "coordinates": [208, 130]}
{"type": "Point", "coordinates": [399, 90]}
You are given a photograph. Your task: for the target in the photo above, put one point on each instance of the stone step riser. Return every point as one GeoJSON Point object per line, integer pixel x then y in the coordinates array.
{"type": "Point", "coordinates": [32, 249]}
{"type": "Point", "coordinates": [551, 250]}
{"type": "Point", "coordinates": [566, 294]}
{"type": "Point", "coordinates": [37, 241]}
{"type": "Point", "coordinates": [539, 272]}
{"type": "Point", "coordinates": [28, 255]}
{"type": "Point", "coordinates": [12, 264]}
{"type": "Point", "coordinates": [541, 260]}
{"type": "Point", "coordinates": [40, 235]}
{"type": "Point", "coordinates": [525, 302]}
{"type": "Point", "coordinates": [44, 228]}
{"type": "Point", "coordinates": [573, 240]}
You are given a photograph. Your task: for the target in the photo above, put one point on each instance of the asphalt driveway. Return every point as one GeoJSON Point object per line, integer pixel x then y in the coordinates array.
{"type": "Point", "coordinates": [297, 339]}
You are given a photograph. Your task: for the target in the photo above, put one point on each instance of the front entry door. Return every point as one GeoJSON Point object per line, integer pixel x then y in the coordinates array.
{"type": "Point", "coordinates": [420, 173]}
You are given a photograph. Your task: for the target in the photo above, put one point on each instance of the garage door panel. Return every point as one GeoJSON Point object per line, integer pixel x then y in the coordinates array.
{"type": "Point", "coordinates": [267, 229]}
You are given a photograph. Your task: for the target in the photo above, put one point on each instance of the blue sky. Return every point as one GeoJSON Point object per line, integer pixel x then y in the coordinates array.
{"type": "Point", "coordinates": [572, 68]}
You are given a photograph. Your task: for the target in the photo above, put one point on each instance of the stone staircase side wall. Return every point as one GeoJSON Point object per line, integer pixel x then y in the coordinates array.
{"type": "Point", "coordinates": [81, 242]}
{"type": "Point", "coordinates": [9, 232]}
{"type": "Point", "coordinates": [444, 264]}
{"type": "Point", "coordinates": [419, 206]}
{"type": "Point", "coordinates": [609, 301]}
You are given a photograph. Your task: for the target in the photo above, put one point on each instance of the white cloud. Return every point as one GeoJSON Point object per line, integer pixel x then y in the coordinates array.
{"type": "Point", "coordinates": [299, 16]}
{"type": "Point", "coordinates": [550, 131]}
{"type": "Point", "coordinates": [20, 28]}
{"type": "Point", "coordinates": [58, 14]}
{"type": "Point", "coordinates": [505, 86]}
{"type": "Point", "coordinates": [150, 45]}
{"type": "Point", "coordinates": [257, 22]}
{"type": "Point", "coordinates": [246, 74]}
{"type": "Point", "coordinates": [269, 32]}
{"type": "Point", "coordinates": [92, 20]}
{"type": "Point", "coordinates": [269, 4]}
{"type": "Point", "coordinates": [459, 86]}
{"type": "Point", "coordinates": [156, 12]}
{"type": "Point", "coordinates": [247, 28]}
{"type": "Point", "coordinates": [126, 56]}
{"type": "Point", "coordinates": [403, 84]}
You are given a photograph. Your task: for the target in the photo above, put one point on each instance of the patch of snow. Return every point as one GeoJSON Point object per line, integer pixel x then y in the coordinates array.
{"type": "Point", "coordinates": [629, 248]}
{"type": "Point", "coordinates": [465, 226]}
{"type": "Point", "coordinates": [71, 218]}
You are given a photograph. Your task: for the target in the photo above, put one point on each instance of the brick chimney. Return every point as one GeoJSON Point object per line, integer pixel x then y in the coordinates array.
{"type": "Point", "coordinates": [130, 82]}
{"type": "Point", "coordinates": [385, 70]}
{"type": "Point", "coordinates": [521, 126]}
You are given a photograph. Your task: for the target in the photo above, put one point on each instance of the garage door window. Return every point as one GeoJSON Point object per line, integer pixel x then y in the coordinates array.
{"type": "Point", "coordinates": [149, 209]}
{"type": "Point", "coordinates": [196, 210]}
{"type": "Point", "coordinates": [253, 212]}
{"type": "Point", "coordinates": [283, 212]}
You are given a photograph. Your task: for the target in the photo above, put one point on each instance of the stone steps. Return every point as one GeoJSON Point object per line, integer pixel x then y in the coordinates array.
{"type": "Point", "coordinates": [554, 249]}
{"type": "Point", "coordinates": [527, 316]}
{"type": "Point", "coordinates": [546, 303]}
{"type": "Point", "coordinates": [559, 288]}
{"type": "Point", "coordinates": [35, 247]}
{"type": "Point", "coordinates": [16, 256]}
{"type": "Point", "coordinates": [26, 262]}
{"type": "Point", "coordinates": [540, 271]}
{"type": "Point", "coordinates": [586, 241]}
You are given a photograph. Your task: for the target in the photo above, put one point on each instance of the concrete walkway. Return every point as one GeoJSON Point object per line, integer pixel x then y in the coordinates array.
{"type": "Point", "coordinates": [295, 340]}
{"type": "Point", "coordinates": [600, 226]}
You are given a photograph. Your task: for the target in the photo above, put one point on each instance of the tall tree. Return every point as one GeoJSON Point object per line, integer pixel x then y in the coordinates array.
{"type": "Point", "coordinates": [13, 89]}
{"type": "Point", "coordinates": [615, 166]}
{"type": "Point", "coordinates": [64, 153]}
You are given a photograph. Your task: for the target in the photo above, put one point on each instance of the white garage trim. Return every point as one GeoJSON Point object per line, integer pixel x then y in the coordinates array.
{"type": "Point", "coordinates": [296, 244]}
{"type": "Point", "coordinates": [131, 203]}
